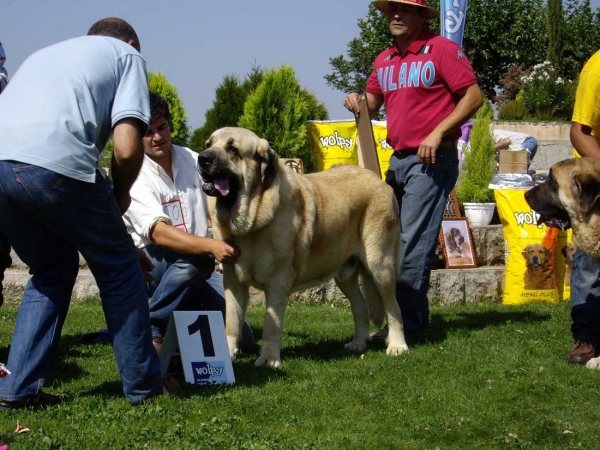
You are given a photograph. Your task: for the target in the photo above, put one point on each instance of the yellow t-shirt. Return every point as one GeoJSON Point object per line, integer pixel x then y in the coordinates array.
{"type": "Point", "coordinates": [587, 99]}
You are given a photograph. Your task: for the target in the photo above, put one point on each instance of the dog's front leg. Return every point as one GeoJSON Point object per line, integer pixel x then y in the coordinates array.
{"type": "Point", "coordinates": [236, 302]}
{"type": "Point", "coordinates": [277, 301]}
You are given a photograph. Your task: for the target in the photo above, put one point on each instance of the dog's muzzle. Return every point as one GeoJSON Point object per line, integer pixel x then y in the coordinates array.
{"type": "Point", "coordinates": [214, 183]}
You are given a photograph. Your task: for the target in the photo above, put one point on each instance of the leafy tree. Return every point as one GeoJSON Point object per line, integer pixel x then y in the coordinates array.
{"type": "Point", "coordinates": [499, 33]}
{"type": "Point", "coordinates": [350, 75]}
{"type": "Point", "coordinates": [228, 106]}
{"type": "Point", "coordinates": [581, 36]}
{"type": "Point", "coordinates": [277, 111]}
{"type": "Point", "coordinates": [554, 27]}
{"type": "Point", "coordinates": [158, 84]}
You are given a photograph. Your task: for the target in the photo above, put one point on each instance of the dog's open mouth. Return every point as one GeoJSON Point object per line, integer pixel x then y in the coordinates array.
{"type": "Point", "coordinates": [218, 186]}
{"type": "Point", "coordinates": [562, 222]}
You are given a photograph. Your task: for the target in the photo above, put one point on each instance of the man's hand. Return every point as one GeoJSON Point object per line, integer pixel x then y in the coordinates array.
{"type": "Point", "coordinates": [146, 264]}
{"type": "Point", "coordinates": [427, 149]}
{"type": "Point", "coordinates": [351, 103]}
{"type": "Point", "coordinates": [225, 251]}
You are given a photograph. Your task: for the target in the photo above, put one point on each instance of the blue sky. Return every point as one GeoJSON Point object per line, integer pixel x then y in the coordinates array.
{"type": "Point", "coordinates": [196, 43]}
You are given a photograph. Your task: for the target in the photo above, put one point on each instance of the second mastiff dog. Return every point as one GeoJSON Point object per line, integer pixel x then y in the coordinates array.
{"type": "Point", "coordinates": [296, 231]}
{"type": "Point", "coordinates": [570, 197]}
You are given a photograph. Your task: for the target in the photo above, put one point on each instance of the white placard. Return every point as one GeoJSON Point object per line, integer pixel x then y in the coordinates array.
{"type": "Point", "coordinates": [202, 343]}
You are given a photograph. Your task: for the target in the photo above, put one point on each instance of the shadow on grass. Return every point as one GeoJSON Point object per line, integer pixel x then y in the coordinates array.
{"type": "Point", "coordinates": [441, 325]}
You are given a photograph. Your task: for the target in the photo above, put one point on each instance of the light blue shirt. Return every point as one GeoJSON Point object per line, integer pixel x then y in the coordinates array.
{"type": "Point", "coordinates": [61, 105]}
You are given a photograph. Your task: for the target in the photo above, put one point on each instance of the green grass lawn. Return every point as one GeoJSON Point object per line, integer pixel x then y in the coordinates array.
{"type": "Point", "coordinates": [486, 377]}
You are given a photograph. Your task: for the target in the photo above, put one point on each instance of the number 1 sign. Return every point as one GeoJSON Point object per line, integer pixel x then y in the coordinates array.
{"type": "Point", "coordinates": [200, 337]}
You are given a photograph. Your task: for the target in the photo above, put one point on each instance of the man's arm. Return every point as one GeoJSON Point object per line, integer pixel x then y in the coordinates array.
{"type": "Point", "coordinates": [504, 143]}
{"type": "Point", "coordinates": [583, 141]}
{"type": "Point", "coordinates": [127, 159]}
{"type": "Point", "coordinates": [374, 101]}
{"type": "Point", "coordinates": [184, 243]}
{"type": "Point", "coordinates": [470, 101]}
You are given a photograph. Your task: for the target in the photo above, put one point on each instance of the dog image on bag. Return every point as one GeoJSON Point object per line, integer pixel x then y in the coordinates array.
{"type": "Point", "coordinates": [539, 273]}
{"type": "Point", "coordinates": [568, 251]}
{"type": "Point", "coordinates": [296, 231]}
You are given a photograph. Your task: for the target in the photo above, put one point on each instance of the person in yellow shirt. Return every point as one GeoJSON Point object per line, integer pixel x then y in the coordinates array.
{"type": "Point", "coordinates": [585, 275]}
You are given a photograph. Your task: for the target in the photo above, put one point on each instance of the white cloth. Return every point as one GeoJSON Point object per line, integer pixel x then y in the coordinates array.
{"type": "Point", "coordinates": [516, 138]}
{"type": "Point", "coordinates": [156, 198]}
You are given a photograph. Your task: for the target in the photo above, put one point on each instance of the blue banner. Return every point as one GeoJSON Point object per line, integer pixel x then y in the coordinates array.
{"type": "Point", "coordinates": [453, 14]}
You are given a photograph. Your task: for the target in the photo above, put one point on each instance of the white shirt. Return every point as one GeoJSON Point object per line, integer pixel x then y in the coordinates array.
{"type": "Point", "coordinates": [516, 138]}
{"type": "Point", "coordinates": [156, 198]}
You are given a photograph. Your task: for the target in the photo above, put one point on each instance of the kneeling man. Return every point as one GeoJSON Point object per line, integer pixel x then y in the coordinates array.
{"type": "Point", "coordinates": [168, 222]}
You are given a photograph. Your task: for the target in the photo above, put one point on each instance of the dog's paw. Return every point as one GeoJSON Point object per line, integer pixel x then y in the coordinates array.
{"type": "Point", "coordinates": [593, 364]}
{"type": "Point", "coordinates": [396, 351]}
{"type": "Point", "coordinates": [269, 362]}
{"type": "Point", "coordinates": [234, 352]}
{"type": "Point", "coordinates": [356, 347]}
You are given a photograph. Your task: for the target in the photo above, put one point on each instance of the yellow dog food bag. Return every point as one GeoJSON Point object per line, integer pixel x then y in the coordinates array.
{"type": "Point", "coordinates": [334, 142]}
{"type": "Point", "coordinates": [530, 249]}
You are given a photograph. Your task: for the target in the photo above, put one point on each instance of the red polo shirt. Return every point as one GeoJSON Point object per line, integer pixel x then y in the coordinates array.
{"type": "Point", "coordinates": [419, 87]}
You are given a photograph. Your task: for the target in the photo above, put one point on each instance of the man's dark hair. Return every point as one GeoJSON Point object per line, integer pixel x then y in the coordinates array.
{"type": "Point", "coordinates": [159, 108]}
{"type": "Point", "coordinates": [117, 28]}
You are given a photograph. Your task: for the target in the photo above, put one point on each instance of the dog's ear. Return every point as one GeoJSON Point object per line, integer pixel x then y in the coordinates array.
{"type": "Point", "coordinates": [587, 190]}
{"type": "Point", "coordinates": [269, 163]}
{"type": "Point", "coordinates": [525, 250]}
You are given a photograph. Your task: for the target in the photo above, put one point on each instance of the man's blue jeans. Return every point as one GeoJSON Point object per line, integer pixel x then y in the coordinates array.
{"type": "Point", "coordinates": [585, 298]}
{"type": "Point", "coordinates": [185, 283]}
{"type": "Point", "coordinates": [531, 144]}
{"type": "Point", "coordinates": [174, 276]}
{"type": "Point", "coordinates": [422, 192]}
{"type": "Point", "coordinates": [48, 218]}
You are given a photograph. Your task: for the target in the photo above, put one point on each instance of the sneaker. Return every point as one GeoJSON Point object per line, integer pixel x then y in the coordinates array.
{"type": "Point", "coordinates": [41, 400]}
{"type": "Point", "coordinates": [582, 352]}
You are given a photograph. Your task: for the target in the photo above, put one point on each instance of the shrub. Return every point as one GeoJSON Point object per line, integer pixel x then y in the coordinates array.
{"type": "Point", "coordinates": [546, 95]}
{"type": "Point", "coordinates": [480, 160]}
{"type": "Point", "coordinates": [511, 83]}
{"type": "Point", "coordinates": [513, 110]}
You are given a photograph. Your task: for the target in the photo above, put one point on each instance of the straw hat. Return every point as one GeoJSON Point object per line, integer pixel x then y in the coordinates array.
{"type": "Point", "coordinates": [384, 6]}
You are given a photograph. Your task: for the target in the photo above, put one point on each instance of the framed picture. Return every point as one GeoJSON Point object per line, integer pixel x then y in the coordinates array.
{"type": "Point", "coordinates": [456, 242]}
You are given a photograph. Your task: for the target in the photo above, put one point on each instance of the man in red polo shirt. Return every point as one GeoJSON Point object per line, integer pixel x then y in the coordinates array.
{"type": "Point", "coordinates": [429, 90]}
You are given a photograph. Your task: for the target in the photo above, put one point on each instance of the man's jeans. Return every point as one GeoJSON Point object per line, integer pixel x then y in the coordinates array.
{"type": "Point", "coordinates": [5, 261]}
{"type": "Point", "coordinates": [585, 298]}
{"type": "Point", "coordinates": [531, 144]}
{"type": "Point", "coordinates": [422, 192]}
{"type": "Point", "coordinates": [47, 218]}
{"type": "Point", "coordinates": [185, 283]}
{"type": "Point", "coordinates": [174, 276]}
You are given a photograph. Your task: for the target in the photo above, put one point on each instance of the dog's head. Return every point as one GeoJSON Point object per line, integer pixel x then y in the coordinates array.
{"type": "Point", "coordinates": [569, 195]}
{"type": "Point", "coordinates": [455, 239]}
{"type": "Point", "coordinates": [536, 256]}
{"type": "Point", "coordinates": [236, 159]}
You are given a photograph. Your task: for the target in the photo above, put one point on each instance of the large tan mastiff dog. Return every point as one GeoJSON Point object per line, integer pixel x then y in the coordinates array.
{"type": "Point", "coordinates": [295, 231]}
{"type": "Point", "coordinates": [570, 197]}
